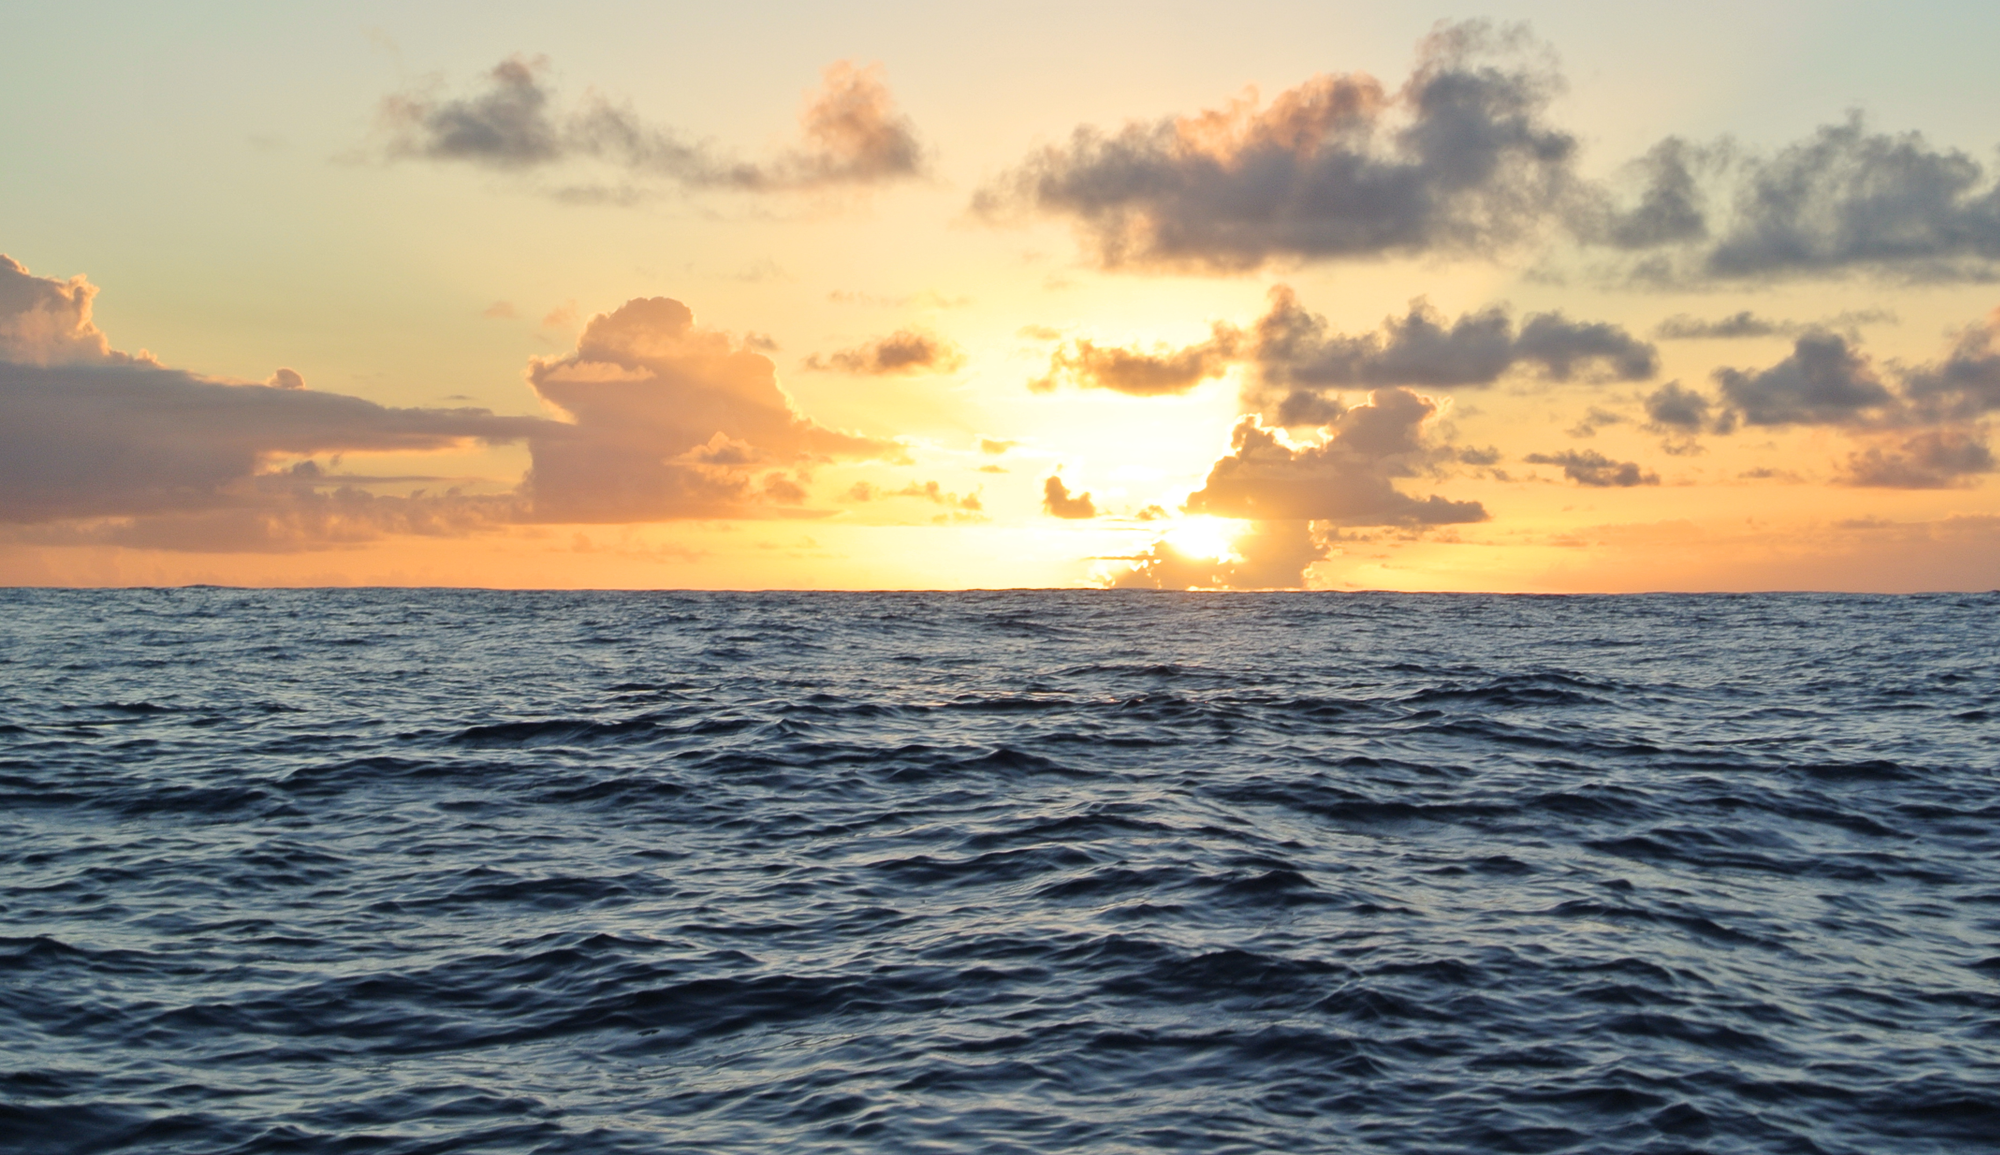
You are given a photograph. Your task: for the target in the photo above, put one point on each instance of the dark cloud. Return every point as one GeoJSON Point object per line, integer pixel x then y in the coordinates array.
{"type": "Point", "coordinates": [668, 420]}
{"type": "Point", "coordinates": [851, 133]}
{"type": "Point", "coordinates": [1057, 501]}
{"type": "Point", "coordinates": [1672, 408]}
{"type": "Point", "coordinates": [906, 351]}
{"type": "Point", "coordinates": [1672, 206]}
{"type": "Point", "coordinates": [1137, 372]}
{"type": "Point", "coordinates": [1932, 459]}
{"type": "Point", "coordinates": [1967, 382]}
{"type": "Point", "coordinates": [1299, 360]}
{"type": "Point", "coordinates": [1849, 197]}
{"type": "Point", "coordinates": [1824, 382]}
{"type": "Point", "coordinates": [1842, 200]}
{"type": "Point", "coordinates": [1589, 467]}
{"type": "Point", "coordinates": [1298, 357]}
{"type": "Point", "coordinates": [1682, 327]}
{"type": "Point", "coordinates": [1459, 159]}
{"type": "Point", "coordinates": [1346, 478]}
{"type": "Point", "coordinates": [95, 440]}
{"type": "Point", "coordinates": [1269, 555]}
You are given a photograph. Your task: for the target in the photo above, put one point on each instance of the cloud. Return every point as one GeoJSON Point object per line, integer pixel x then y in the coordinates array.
{"type": "Point", "coordinates": [1967, 382]}
{"type": "Point", "coordinates": [1298, 358]}
{"type": "Point", "coordinates": [1844, 199]}
{"type": "Point", "coordinates": [1932, 459]}
{"type": "Point", "coordinates": [1345, 478]}
{"type": "Point", "coordinates": [1672, 207]}
{"type": "Point", "coordinates": [1593, 420]}
{"type": "Point", "coordinates": [1267, 555]}
{"type": "Point", "coordinates": [1589, 467]}
{"type": "Point", "coordinates": [906, 351]}
{"type": "Point", "coordinates": [1824, 382]}
{"type": "Point", "coordinates": [1458, 160]}
{"type": "Point", "coordinates": [1136, 372]}
{"type": "Point", "coordinates": [87, 431]}
{"type": "Point", "coordinates": [668, 420]}
{"type": "Point", "coordinates": [1683, 327]}
{"type": "Point", "coordinates": [1673, 408]}
{"type": "Point", "coordinates": [47, 322]}
{"type": "Point", "coordinates": [851, 134]}
{"type": "Point", "coordinates": [1057, 501]}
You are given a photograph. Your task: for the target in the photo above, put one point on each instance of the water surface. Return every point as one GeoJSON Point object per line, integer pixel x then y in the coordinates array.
{"type": "Point", "coordinates": [438, 871]}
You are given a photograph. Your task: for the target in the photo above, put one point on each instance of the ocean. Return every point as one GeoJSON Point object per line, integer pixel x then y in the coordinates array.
{"type": "Point", "coordinates": [419, 871]}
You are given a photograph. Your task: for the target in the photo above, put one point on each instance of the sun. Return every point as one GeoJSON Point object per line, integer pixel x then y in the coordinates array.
{"type": "Point", "coordinates": [1209, 538]}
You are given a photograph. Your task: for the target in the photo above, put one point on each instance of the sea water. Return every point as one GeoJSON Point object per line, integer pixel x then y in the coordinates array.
{"type": "Point", "coordinates": [438, 871]}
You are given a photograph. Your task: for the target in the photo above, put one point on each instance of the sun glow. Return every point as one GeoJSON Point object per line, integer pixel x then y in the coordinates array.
{"type": "Point", "coordinates": [1209, 538]}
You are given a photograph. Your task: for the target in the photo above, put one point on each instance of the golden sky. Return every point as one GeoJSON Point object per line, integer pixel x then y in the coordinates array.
{"type": "Point", "coordinates": [1322, 296]}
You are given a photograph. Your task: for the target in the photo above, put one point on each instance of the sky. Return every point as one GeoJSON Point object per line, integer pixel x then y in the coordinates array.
{"type": "Point", "coordinates": [1547, 297]}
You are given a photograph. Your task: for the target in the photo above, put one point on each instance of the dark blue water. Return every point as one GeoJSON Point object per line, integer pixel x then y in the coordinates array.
{"type": "Point", "coordinates": [395, 871]}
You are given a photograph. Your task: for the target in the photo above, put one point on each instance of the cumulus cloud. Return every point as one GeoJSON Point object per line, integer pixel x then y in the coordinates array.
{"type": "Point", "coordinates": [904, 352]}
{"type": "Point", "coordinates": [44, 321]}
{"type": "Point", "coordinates": [1058, 501]}
{"type": "Point", "coordinates": [1346, 478]}
{"type": "Point", "coordinates": [1842, 200]}
{"type": "Point", "coordinates": [1459, 159]}
{"type": "Point", "coordinates": [1932, 459]}
{"type": "Point", "coordinates": [667, 419]}
{"type": "Point", "coordinates": [851, 133]}
{"type": "Point", "coordinates": [1825, 381]}
{"type": "Point", "coordinates": [1589, 467]}
{"type": "Point", "coordinates": [88, 431]}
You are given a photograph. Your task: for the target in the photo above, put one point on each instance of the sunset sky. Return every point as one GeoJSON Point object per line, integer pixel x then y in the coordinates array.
{"type": "Point", "coordinates": [1545, 297]}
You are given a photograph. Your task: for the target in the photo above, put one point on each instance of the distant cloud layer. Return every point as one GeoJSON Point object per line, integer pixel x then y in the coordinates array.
{"type": "Point", "coordinates": [851, 133]}
{"type": "Point", "coordinates": [87, 431]}
{"type": "Point", "coordinates": [1458, 159]}
{"type": "Point", "coordinates": [660, 419]}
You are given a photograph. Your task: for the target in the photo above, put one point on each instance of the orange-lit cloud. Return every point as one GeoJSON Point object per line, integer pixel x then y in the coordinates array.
{"type": "Point", "coordinates": [904, 352]}
{"type": "Point", "coordinates": [1346, 478]}
{"type": "Point", "coordinates": [667, 420]}
{"type": "Point", "coordinates": [1058, 501]}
